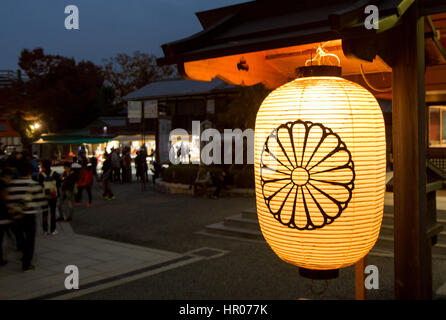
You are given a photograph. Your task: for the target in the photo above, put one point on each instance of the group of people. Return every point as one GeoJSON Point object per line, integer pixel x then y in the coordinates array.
{"type": "Point", "coordinates": [205, 180]}
{"type": "Point", "coordinates": [29, 187]}
{"type": "Point", "coordinates": [121, 165]}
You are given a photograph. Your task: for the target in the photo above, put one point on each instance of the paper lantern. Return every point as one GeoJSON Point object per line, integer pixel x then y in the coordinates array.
{"type": "Point", "coordinates": [320, 159]}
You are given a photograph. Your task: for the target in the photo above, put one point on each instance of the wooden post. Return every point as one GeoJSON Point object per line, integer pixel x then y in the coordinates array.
{"type": "Point", "coordinates": [360, 292]}
{"type": "Point", "coordinates": [409, 148]}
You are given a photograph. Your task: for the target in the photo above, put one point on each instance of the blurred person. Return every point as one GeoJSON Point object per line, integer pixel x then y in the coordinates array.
{"type": "Point", "coordinates": [82, 154]}
{"type": "Point", "coordinates": [152, 154]}
{"type": "Point", "coordinates": [76, 169]}
{"type": "Point", "coordinates": [137, 166]}
{"type": "Point", "coordinates": [51, 182]}
{"type": "Point", "coordinates": [25, 199]}
{"type": "Point", "coordinates": [36, 168]}
{"type": "Point", "coordinates": [202, 181]}
{"type": "Point", "coordinates": [156, 170]}
{"type": "Point", "coordinates": [9, 172]}
{"type": "Point", "coordinates": [94, 166]}
{"type": "Point", "coordinates": [116, 166]}
{"type": "Point", "coordinates": [218, 180]}
{"type": "Point", "coordinates": [85, 182]}
{"type": "Point", "coordinates": [9, 165]}
{"type": "Point", "coordinates": [106, 175]}
{"type": "Point", "coordinates": [187, 151]}
{"type": "Point", "coordinates": [142, 167]}
{"type": "Point", "coordinates": [127, 166]}
{"type": "Point", "coordinates": [143, 163]}
{"type": "Point", "coordinates": [5, 216]}
{"type": "Point", "coordinates": [17, 155]}
{"type": "Point", "coordinates": [69, 179]}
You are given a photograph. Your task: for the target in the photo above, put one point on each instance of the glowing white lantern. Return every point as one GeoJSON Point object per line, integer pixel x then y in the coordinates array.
{"type": "Point", "coordinates": [320, 162]}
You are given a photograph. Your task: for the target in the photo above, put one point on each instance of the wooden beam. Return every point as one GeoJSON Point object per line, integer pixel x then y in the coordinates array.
{"type": "Point", "coordinates": [435, 35]}
{"type": "Point", "coordinates": [247, 69]}
{"type": "Point", "coordinates": [412, 261]}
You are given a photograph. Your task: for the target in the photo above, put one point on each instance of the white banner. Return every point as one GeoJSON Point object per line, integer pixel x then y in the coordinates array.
{"type": "Point", "coordinates": [134, 110]}
{"type": "Point", "coordinates": [151, 109]}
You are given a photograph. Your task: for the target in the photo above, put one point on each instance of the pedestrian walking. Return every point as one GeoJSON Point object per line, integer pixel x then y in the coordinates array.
{"type": "Point", "coordinates": [36, 169]}
{"type": "Point", "coordinates": [202, 181]}
{"type": "Point", "coordinates": [106, 174]}
{"type": "Point", "coordinates": [137, 167]}
{"type": "Point", "coordinates": [85, 182]}
{"type": "Point", "coordinates": [116, 166]}
{"type": "Point", "coordinates": [127, 168]}
{"type": "Point", "coordinates": [94, 166]}
{"type": "Point", "coordinates": [69, 179]}
{"type": "Point", "coordinates": [82, 154]}
{"type": "Point", "coordinates": [25, 199]}
{"type": "Point", "coordinates": [143, 167]}
{"type": "Point", "coordinates": [50, 181]}
{"type": "Point", "coordinates": [5, 216]}
{"type": "Point", "coordinates": [156, 170]}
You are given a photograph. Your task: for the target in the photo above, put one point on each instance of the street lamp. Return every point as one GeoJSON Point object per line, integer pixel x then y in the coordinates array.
{"type": "Point", "coordinates": [35, 126]}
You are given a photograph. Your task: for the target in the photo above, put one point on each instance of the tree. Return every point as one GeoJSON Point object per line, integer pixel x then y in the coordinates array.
{"type": "Point", "coordinates": [127, 73]}
{"type": "Point", "coordinates": [61, 93]}
{"type": "Point", "coordinates": [242, 110]}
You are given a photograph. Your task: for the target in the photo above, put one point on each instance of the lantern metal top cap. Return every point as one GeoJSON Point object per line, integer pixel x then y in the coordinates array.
{"type": "Point", "coordinates": [319, 71]}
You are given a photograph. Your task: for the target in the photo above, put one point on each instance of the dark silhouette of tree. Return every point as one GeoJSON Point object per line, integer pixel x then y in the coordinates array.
{"type": "Point", "coordinates": [127, 73]}
{"type": "Point", "coordinates": [242, 110]}
{"type": "Point", "coordinates": [61, 93]}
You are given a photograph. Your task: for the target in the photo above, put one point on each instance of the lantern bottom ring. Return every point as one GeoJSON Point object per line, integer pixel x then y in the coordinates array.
{"type": "Point", "coordinates": [319, 274]}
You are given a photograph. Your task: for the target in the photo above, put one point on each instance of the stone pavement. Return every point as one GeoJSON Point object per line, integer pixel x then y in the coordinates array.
{"type": "Point", "coordinates": [101, 262]}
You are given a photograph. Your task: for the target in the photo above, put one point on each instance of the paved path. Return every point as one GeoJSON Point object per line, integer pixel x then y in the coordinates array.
{"type": "Point", "coordinates": [101, 263]}
{"type": "Point", "coordinates": [109, 268]}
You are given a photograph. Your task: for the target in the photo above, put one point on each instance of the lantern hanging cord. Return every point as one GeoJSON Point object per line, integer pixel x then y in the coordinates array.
{"type": "Point", "coordinates": [370, 85]}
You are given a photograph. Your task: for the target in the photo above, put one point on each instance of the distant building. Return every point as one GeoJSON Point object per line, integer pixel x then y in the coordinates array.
{"type": "Point", "coordinates": [163, 106]}
{"type": "Point", "coordinates": [152, 113]}
{"type": "Point", "coordinates": [10, 139]}
{"type": "Point", "coordinates": [7, 77]}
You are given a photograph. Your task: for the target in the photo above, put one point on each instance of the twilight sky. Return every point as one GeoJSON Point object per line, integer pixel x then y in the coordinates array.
{"type": "Point", "coordinates": [106, 27]}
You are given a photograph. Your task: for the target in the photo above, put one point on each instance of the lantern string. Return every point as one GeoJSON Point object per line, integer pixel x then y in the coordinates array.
{"type": "Point", "coordinates": [369, 84]}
